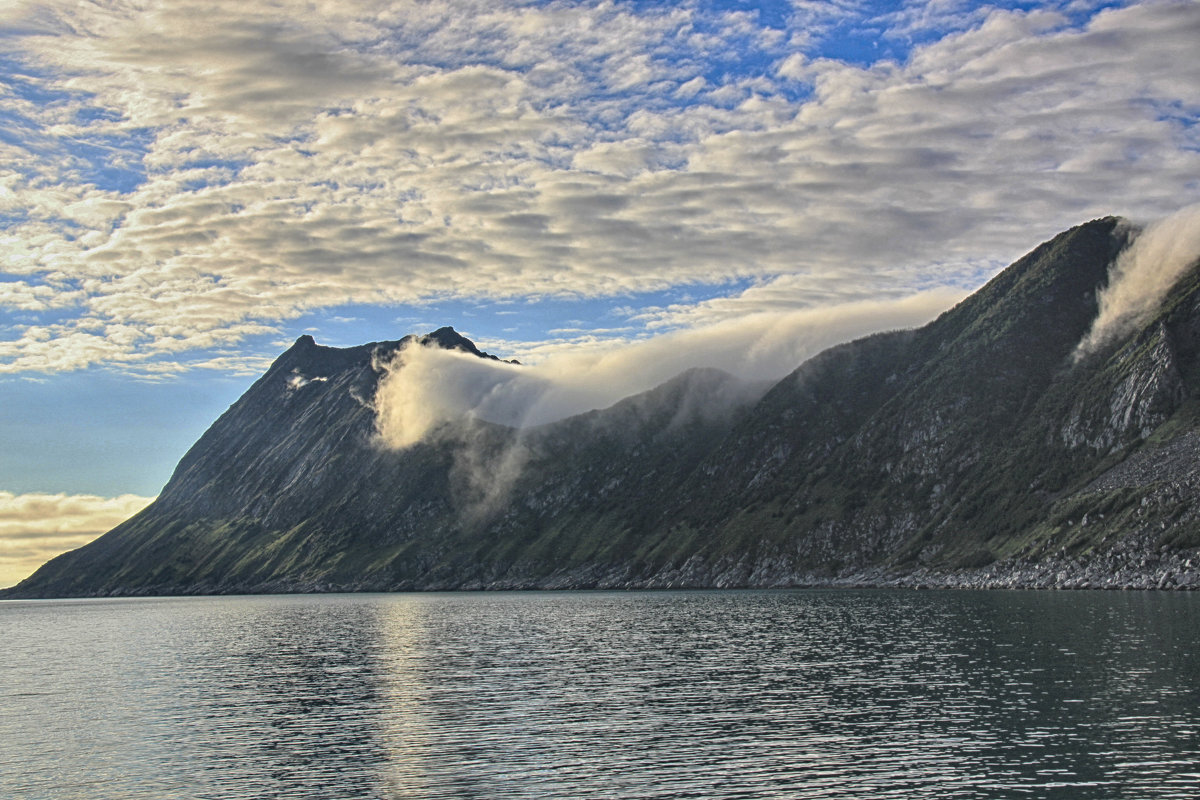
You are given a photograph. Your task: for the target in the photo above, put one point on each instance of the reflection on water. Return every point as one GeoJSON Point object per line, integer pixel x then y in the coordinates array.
{"type": "Point", "coordinates": [639, 695]}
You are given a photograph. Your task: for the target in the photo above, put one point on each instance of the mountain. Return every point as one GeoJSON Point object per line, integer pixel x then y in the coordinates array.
{"type": "Point", "coordinates": [979, 450]}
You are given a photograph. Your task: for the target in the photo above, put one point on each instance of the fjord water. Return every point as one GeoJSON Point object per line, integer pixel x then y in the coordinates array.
{"type": "Point", "coordinates": [796, 694]}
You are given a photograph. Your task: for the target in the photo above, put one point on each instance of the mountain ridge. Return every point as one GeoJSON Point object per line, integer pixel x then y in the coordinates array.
{"type": "Point", "coordinates": [977, 450]}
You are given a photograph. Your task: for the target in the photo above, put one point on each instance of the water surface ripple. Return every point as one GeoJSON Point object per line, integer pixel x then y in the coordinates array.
{"type": "Point", "coordinates": [805, 694]}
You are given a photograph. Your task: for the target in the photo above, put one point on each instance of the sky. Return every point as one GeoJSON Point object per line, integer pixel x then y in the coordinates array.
{"type": "Point", "coordinates": [612, 189]}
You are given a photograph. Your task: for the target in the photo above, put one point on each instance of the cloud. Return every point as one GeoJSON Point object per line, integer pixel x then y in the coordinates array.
{"type": "Point", "coordinates": [428, 387]}
{"type": "Point", "coordinates": [429, 394]}
{"type": "Point", "coordinates": [36, 527]}
{"type": "Point", "coordinates": [1143, 275]}
{"type": "Point", "coordinates": [203, 175]}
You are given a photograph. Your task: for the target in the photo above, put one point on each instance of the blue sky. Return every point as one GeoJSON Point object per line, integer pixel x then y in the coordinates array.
{"type": "Point", "coordinates": [637, 187]}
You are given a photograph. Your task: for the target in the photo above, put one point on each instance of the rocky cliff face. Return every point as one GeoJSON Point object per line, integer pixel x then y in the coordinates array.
{"type": "Point", "coordinates": [976, 451]}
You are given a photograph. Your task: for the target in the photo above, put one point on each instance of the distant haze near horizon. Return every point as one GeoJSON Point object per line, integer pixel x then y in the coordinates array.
{"type": "Point", "coordinates": [603, 189]}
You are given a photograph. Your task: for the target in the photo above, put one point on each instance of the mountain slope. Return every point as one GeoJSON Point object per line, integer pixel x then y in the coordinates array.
{"type": "Point", "coordinates": [961, 443]}
{"type": "Point", "coordinates": [293, 489]}
{"type": "Point", "coordinates": [976, 450]}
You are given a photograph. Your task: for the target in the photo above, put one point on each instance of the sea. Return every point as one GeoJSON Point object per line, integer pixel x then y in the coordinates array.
{"type": "Point", "coordinates": [705, 694]}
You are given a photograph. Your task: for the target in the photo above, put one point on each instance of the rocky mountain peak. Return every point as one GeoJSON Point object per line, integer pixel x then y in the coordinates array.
{"type": "Point", "coordinates": [310, 358]}
{"type": "Point", "coordinates": [449, 339]}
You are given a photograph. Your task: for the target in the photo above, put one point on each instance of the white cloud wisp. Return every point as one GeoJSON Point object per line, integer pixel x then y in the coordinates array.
{"type": "Point", "coordinates": [427, 387]}
{"type": "Point", "coordinates": [1143, 275]}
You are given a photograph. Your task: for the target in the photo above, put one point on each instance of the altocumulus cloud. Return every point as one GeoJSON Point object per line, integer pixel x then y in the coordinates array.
{"type": "Point", "coordinates": [36, 527]}
{"type": "Point", "coordinates": [179, 177]}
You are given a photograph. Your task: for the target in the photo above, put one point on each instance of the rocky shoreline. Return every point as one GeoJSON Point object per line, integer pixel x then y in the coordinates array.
{"type": "Point", "coordinates": [1167, 571]}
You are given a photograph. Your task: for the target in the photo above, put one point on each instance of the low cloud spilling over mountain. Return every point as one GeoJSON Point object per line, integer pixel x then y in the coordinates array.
{"type": "Point", "coordinates": [983, 449]}
{"type": "Point", "coordinates": [1143, 274]}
